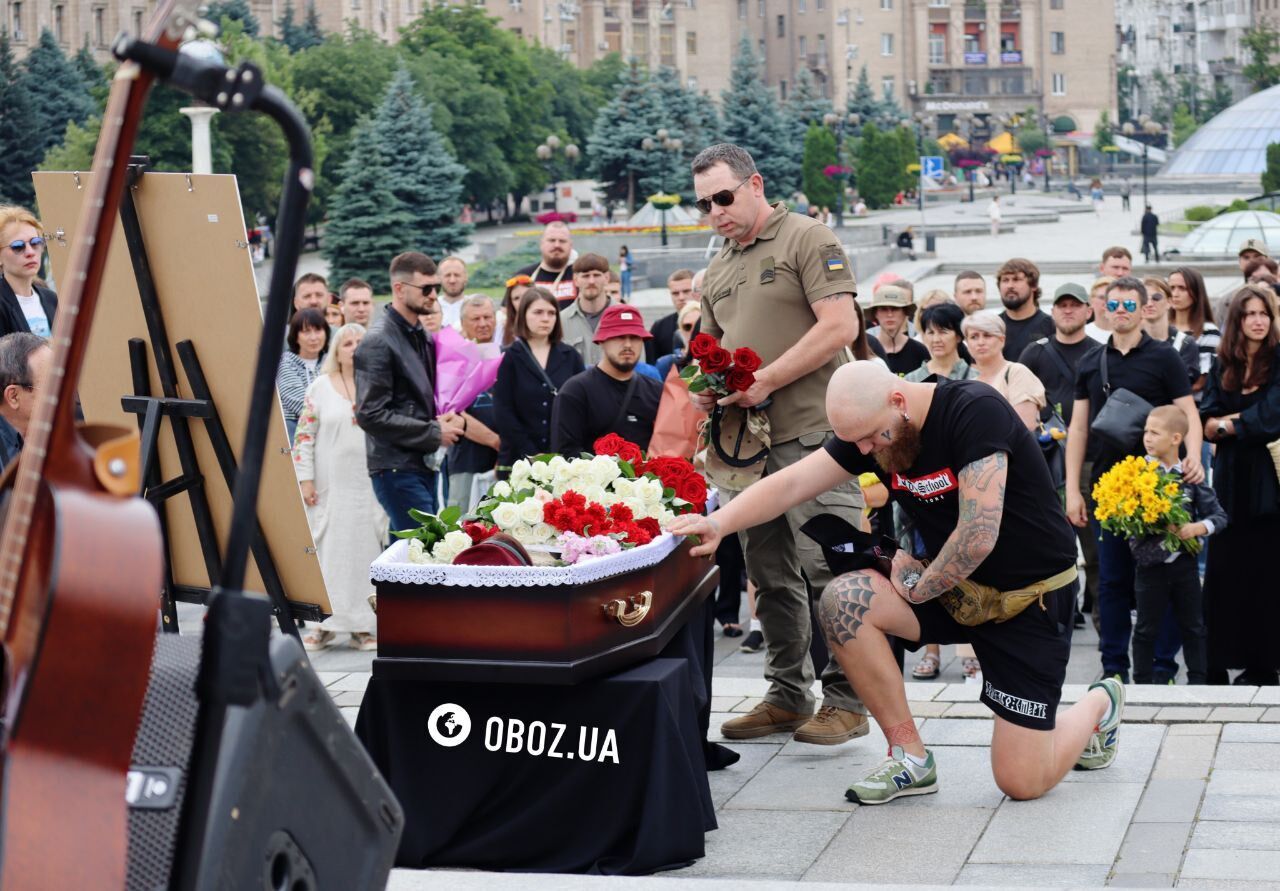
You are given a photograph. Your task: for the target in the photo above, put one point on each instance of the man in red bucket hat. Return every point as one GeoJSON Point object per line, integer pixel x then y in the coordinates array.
{"type": "Point", "coordinates": [609, 397]}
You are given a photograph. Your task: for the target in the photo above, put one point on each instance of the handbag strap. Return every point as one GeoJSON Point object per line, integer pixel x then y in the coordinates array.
{"type": "Point", "coordinates": [533, 360]}
{"type": "Point", "coordinates": [1058, 359]}
{"type": "Point", "coordinates": [1106, 383]}
{"type": "Point", "coordinates": [626, 400]}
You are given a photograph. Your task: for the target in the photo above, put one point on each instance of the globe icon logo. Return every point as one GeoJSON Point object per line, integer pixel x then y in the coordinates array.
{"type": "Point", "coordinates": [449, 725]}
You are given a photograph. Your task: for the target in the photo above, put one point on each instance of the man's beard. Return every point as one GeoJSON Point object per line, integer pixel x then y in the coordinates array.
{"type": "Point", "coordinates": [1068, 330]}
{"type": "Point", "coordinates": [1014, 301]}
{"type": "Point", "coordinates": [903, 449]}
{"type": "Point", "coordinates": [623, 366]}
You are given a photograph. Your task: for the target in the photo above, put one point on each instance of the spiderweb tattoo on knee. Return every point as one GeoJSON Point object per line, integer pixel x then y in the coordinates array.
{"type": "Point", "coordinates": [844, 606]}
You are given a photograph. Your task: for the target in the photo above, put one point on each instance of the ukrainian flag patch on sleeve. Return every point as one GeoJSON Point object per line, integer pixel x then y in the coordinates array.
{"type": "Point", "coordinates": [834, 264]}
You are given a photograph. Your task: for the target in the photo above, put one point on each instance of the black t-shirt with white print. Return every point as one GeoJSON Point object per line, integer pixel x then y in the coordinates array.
{"type": "Point", "coordinates": [967, 421]}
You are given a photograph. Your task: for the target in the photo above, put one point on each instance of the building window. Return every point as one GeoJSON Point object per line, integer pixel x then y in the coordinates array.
{"type": "Point", "coordinates": [972, 42]}
{"type": "Point", "coordinates": [760, 48]}
{"type": "Point", "coordinates": [940, 3]}
{"type": "Point", "coordinates": [1055, 4]}
{"type": "Point", "coordinates": [802, 6]}
{"type": "Point", "coordinates": [804, 45]}
{"type": "Point", "coordinates": [782, 26]}
{"type": "Point", "coordinates": [760, 9]}
{"type": "Point", "coordinates": [18, 34]}
{"type": "Point", "coordinates": [640, 40]}
{"type": "Point", "coordinates": [886, 4]}
{"type": "Point", "coordinates": [938, 48]}
{"type": "Point", "coordinates": [355, 4]}
{"type": "Point", "coordinates": [667, 44]}
{"type": "Point", "coordinates": [1057, 42]}
{"type": "Point", "coordinates": [886, 44]}
{"type": "Point", "coordinates": [1059, 85]}
{"type": "Point", "coordinates": [742, 9]}
{"type": "Point", "coordinates": [820, 5]}
{"type": "Point", "coordinates": [692, 84]}
{"type": "Point", "coordinates": [99, 26]}
{"type": "Point", "coordinates": [691, 42]}
{"type": "Point", "coordinates": [822, 45]}
{"type": "Point", "coordinates": [58, 33]}
{"type": "Point", "coordinates": [886, 86]}
{"type": "Point", "coordinates": [782, 90]}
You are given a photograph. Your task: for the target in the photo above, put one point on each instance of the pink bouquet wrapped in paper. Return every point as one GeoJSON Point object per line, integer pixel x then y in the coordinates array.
{"type": "Point", "coordinates": [464, 370]}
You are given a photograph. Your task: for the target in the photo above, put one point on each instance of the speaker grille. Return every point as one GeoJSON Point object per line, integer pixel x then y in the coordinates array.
{"type": "Point", "coordinates": [165, 737]}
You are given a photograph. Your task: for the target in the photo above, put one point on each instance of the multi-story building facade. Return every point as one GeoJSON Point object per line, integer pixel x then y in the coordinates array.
{"type": "Point", "coordinates": [1173, 39]}
{"type": "Point", "coordinates": [939, 57]}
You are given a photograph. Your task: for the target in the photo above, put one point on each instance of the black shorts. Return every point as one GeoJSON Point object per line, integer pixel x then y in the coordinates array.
{"type": "Point", "coordinates": [1024, 660]}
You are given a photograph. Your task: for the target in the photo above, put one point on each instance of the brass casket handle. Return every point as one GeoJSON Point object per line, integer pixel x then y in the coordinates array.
{"type": "Point", "coordinates": [631, 611]}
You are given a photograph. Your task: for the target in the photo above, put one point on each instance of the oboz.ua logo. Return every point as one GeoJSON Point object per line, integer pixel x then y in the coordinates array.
{"type": "Point", "coordinates": [449, 725]}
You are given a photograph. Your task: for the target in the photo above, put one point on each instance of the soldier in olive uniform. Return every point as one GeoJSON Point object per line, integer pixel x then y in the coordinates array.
{"type": "Point", "coordinates": [782, 286]}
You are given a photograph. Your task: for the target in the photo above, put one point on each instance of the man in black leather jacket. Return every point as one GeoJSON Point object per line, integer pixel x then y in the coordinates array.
{"type": "Point", "coordinates": [395, 395]}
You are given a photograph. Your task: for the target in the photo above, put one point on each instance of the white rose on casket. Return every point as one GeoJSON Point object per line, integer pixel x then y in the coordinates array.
{"type": "Point", "coordinates": [530, 511]}
{"type": "Point", "coordinates": [501, 489]}
{"type": "Point", "coordinates": [651, 491]}
{"type": "Point", "coordinates": [638, 507]}
{"type": "Point", "coordinates": [665, 518]}
{"type": "Point", "coordinates": [520, 474]}
{"type": "Point", "coordinates": [451, 546]}
{"type": "Point", "coordinates": [594, 493]}
{"type": "Point", "coordinates": [622, 488]}
{"type": "Point", "coordinates": [507, 515]}
{"type": "Point", "coordinates": [541, 472]}
{"type": "Point", "coordinates": [418, 553]}
{"type": "Point", "coordinates": [604, 470]}
{"type": "Point", "coordinates": [539, 533]}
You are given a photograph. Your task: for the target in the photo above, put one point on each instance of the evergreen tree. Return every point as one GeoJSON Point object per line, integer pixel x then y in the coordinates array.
{"type": "Point", "coordinates": [819, 154]}
{"type": "Point", "coordinates": [615, 150]}
{"type": "Point", "coordinates": [1271, 176]}
{"type": "Point", "coordinates": [312, 33]}
{"type": "Point", "coordinates": [862, 101]}
{"type": "Point", "coordinates": [367, 225]}
{"type": "Point", "coordinates": [806, 106]}
{"type": "Point", "coordinates": [1184, 124]}
{"type": "Point", "coordinates": [422, 175]}
{"type": "Point", "coordinates": [19, 153]}
{"type": "Point", "coordinates": [94, 77]}
{"type": "Point", "coordinates": [753, 121]}
{"type": "Point", "coordinates": [236, 10]}
{"type": "Point", "coordinates": [1219, 101]}
{"type": "Point", "coordinates": [298, 37]}
{"type": "Point", "coordinates": [878, 165]}
{"type": "Point", "coordinates": [1104, 134]}
{"type": "Point", "coordinates": [64, 95]}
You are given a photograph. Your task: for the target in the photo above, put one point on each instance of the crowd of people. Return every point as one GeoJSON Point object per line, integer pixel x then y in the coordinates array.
{"type": "Point", "coordinates": [575, 362]}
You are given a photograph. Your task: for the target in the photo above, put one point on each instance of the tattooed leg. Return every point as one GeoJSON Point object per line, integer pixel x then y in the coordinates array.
{"type": "Point", "coordinates": [856, 611]}
{"type": "Point", "coordinates": [904, 734]}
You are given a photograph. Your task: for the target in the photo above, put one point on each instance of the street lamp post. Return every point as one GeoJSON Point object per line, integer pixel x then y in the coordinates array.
{"type": "Point", "coordinates": [663, 142]}
{"type": "Point", "coordinates": [1048, 147]}
{"type": "Point", "coordinates": [546, 153]}
{"type": "Point", "coordinates": [837, 122]}
{"type": "Point", "coordinates": [1147, 131]}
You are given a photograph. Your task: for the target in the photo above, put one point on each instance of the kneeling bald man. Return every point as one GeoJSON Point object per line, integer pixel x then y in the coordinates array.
{"type": "Point", "coordinates": [969, 474]}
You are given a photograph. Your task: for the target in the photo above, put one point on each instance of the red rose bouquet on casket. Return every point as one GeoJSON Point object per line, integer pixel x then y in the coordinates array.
{"type": "Point", "coordinates": [716, 369]}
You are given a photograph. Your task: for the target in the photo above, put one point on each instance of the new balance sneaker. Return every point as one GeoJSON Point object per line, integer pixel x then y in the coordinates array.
{"type": "Point", "coordinates": [1104, 743]}
{"type": "Point", "coordinates": [896, 777]}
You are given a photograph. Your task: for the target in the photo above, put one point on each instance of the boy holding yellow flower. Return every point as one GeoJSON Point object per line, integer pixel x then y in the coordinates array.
{"type": "Point", "coordinates": [1166, 569]}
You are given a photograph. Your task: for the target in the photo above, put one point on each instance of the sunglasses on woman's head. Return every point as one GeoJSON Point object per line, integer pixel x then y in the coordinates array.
{"type": "Point", "coordinates": [686, 327]}
{"type": "Point", "coordinates": [1129, 305]}
{"type": "Point", "coordinates": [724, 197]}
{"type": "Point", "coordinates": [19, 246]}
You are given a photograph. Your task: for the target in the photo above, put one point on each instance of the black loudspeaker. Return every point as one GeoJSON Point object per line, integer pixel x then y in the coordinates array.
{"type": "Point", "coordinates": [276, 795]}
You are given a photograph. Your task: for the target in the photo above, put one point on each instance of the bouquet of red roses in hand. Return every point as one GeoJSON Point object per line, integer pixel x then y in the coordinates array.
{"type": "Point", "coordinates": [716, 369]}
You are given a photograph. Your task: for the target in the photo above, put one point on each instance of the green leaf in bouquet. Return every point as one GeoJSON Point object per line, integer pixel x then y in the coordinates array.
{"type": "Point", "coordinates": [689, 372]}
{"type": "Point", "coordinates": [406, 533]}
{"type": "Point", "coordinates": [544, 458]}
{"type": "Point", "coordinates": [699, 385]}
{"type": "Point", "coordinates": [627, 470]}
{"type": "Point", "coordinates": [668, 493]}
{"type": "Point", "coordinates": [420, 515]}
{"type": "Point", "coordinates": [450, 515]}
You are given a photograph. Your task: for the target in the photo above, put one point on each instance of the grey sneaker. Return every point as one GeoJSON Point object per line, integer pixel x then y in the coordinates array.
{"type": "Point", "coordinates": [894, 778]}
{"type": "Point", "coordinates": [1105, 742]}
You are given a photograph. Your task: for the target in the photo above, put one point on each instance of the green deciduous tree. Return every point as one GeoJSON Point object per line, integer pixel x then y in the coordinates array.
{"type": "Point", "coordinates": [1184, 124]}
{"type": "Point", "coordinates": [63, 94]}
{"type": "Point", "coordinates": [423, 177]}
{"type": "Point", "coordinates": [1219, 100]}
{"type": "Point", "coordinates": [19, 153]}
{"type": "Point", "coordinates": [1271, 176]}
{"type": "Point", "coordinates": [1104, 134]}
{"type": "Point", "coordinates": [819, 154]}
{"type": "Point", "coordinates": [753, 120]}
{"type": "Point", "coordinates": [1261, 43]}
{"type": "Point", "coordinates": [368, 225]}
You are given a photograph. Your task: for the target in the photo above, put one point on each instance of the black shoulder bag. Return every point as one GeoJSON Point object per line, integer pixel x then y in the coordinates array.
{"type": "Point", "coordinates": [1123, 414]}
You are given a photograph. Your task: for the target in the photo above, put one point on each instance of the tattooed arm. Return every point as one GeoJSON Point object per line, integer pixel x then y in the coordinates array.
{"type": "Point", "coordinates": [981, 493]}
{"type": "Point", "coordinates": [834, 330]}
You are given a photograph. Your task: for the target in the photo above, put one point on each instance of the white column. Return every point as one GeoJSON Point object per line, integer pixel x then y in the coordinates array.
{"type": "Point", "coordinates": [201, 151]}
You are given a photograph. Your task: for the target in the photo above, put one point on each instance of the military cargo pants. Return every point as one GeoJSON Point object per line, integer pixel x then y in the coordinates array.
{"type": "Point", "coordinates": [779, 560]}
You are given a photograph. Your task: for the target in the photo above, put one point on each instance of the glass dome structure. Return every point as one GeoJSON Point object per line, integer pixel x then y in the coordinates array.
{"type": "Point", "coordinates": [1223, 235]}
{"type": "Point", "coordinates": [1234, 142]}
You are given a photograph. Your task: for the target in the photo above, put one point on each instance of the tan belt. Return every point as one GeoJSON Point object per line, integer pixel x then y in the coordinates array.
{"type": "Point", "coordinates": [973, 603]}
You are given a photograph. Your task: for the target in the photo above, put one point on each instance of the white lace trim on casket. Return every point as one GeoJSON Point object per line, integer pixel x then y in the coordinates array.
{"type": "Point", "coordinates": [393, 566]}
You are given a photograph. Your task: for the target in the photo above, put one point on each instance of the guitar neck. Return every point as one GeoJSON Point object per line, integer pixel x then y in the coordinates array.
{"type": "Point", "coordinates": [52, 426]}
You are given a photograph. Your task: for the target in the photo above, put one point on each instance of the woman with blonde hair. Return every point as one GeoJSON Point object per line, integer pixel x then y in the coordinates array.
{"type": "Point", "coordinates": [347, 523]}
{"type": "Point", "coordinates": [25, 305]}
{"type": "Point", "coordinates": [930, 298]}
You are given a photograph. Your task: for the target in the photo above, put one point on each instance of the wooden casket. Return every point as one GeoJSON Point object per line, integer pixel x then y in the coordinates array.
{"type": "Point", "coordinates": [534, 624]}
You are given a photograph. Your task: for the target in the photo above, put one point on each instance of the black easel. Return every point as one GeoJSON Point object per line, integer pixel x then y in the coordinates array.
{"type": "Point", "coordinates": [151, 409]}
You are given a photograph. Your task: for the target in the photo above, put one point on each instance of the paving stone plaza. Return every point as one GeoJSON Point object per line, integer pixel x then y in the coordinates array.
{"type": "Point", "coordinates": [1192, 801]}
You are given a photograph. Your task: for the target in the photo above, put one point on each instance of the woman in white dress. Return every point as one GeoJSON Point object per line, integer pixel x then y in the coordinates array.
{"type": "Point", "coordinates": [347, 523]}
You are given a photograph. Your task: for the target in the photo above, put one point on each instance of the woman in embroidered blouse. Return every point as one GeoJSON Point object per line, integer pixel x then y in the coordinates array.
{"type": "Point", "coordinates": [347, 523]}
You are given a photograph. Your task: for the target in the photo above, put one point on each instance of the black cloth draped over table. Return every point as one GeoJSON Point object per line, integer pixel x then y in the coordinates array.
{"type": "Point", "coordinates": [627, 794]}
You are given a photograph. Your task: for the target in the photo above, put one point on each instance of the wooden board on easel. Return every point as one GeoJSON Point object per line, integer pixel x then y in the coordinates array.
{"type": "Point", "coordinates": [195, 238]}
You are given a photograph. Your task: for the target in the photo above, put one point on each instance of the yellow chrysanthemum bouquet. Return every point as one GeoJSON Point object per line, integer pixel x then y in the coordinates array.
{"type": "Point", "coordinates": [1138, 500]}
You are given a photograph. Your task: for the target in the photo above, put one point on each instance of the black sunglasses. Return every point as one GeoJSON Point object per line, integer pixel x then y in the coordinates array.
{"type": "Point", "coordinates": [429, 288]}
{"type": "Point", "coordinates": [724, 197]}
{"type": "Point", "coordinates": [19, 246]}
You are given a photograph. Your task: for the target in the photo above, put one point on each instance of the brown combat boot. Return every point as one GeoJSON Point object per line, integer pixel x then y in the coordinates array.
{"type": "Point", "coordinates": [832, 726]}
{"type": "Point", "coordinates": [762, 720]}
